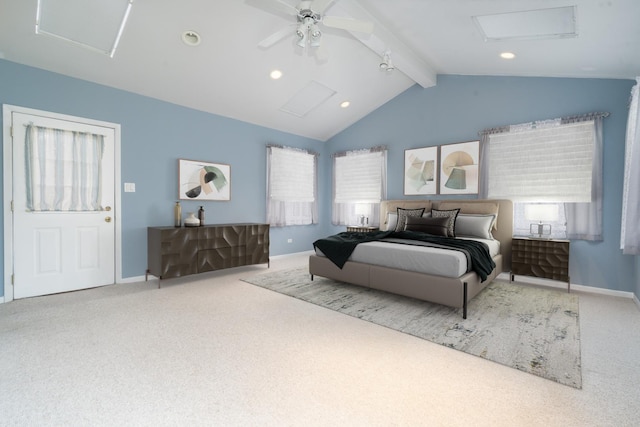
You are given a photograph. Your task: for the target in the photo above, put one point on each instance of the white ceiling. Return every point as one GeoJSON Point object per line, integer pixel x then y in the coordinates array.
{"type": "Point", "coordinates": [227, 74]}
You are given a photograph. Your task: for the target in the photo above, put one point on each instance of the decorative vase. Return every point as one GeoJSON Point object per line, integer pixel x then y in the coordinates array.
{"type": "Point", "coordinates": [177, 215]}
{"type": "Point", "coordinates": [201, 215]}
{"type": "Point", "coordinates": [191, 220]}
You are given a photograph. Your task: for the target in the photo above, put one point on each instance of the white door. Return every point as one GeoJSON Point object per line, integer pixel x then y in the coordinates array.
{"type": "Point", "coordinates": [56, 251]}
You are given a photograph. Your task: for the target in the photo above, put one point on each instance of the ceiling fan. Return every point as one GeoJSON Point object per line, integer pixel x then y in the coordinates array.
{"type": "Point", "coordinates": [310, 18]}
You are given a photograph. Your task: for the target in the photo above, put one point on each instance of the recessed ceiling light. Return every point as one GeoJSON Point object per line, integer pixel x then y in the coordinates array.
{"type": "Point", "coordinates": [507, 55]}
{"type": "Point", "coordinates": [345, 104]}
{"type": "Point", "coordinates": [275, 74]}
{"type": "Point", "coordinates": [191, 38]}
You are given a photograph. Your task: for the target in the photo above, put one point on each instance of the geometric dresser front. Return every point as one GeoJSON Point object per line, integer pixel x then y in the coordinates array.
{"type": "Point", "coordinates": [181, 251]}
{"type": "Point", "coordinates": [545, 258]}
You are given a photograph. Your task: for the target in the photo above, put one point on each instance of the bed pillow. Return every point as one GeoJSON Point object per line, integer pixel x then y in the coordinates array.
{"type": "Point", "coordinates": [483, 208]}
{"type": "Point", "coordinates": [392, 220]}
{"type": "Point", "coordinates": [434, 226]}
{"type": "Point", "coordinates": [470, 225]}
{"type": "Point", "coordinates": [451, 214]}
{"type": "Point", "coordinates": [404, 213]}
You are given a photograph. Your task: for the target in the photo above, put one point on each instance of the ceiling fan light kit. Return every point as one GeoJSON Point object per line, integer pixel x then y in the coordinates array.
{"type": "Point", "coordinates": [308, 30]}
{"type": "Point", "coordinates": [309, 16]}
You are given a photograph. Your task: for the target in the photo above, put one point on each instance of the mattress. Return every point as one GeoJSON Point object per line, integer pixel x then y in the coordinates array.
{"type": "Point", "coordinates": [421, 259]}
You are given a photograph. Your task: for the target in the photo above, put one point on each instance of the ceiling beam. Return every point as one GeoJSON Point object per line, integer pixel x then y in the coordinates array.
{"type": "Point", "coordinates": [382, 40]}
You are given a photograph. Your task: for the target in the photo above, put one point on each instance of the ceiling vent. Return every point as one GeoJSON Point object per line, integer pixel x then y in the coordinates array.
{"type": "Point", "coordinates": [310, 97]}
{"type": "Point", "coordinates": [95, 24]}
{"type": "Point", "coordinates": [553, 23]}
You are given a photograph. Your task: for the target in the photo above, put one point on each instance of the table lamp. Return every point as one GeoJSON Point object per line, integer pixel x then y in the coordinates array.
{"type": "Point", "coordinates": [540, 213]}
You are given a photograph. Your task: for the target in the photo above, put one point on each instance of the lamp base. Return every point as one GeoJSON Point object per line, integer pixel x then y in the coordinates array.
{"type": "Point", "coordinates": [540, 230]}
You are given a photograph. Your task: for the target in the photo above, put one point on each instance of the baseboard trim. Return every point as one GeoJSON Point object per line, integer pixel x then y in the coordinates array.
{"type": "Point", "coordinates": [292, 254]}
{"type": "Point", "coordinates": [636, 300]}
{"type": "Point", "coordinates": [152, 277]}
{"type": "Point", "coordinates": [135, 279]}
{"type": "Point", "coordinates": [574, 287]}
{"type": "Point", "coordinates": [1, 300]}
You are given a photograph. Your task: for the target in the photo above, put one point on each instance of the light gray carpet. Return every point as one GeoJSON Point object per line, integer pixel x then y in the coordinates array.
{"type": "Point", "coordinates": [531, 329]}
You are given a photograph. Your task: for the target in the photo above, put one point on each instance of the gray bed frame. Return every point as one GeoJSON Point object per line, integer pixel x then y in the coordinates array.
{"type": "Point", "coordinates": [452, 292]}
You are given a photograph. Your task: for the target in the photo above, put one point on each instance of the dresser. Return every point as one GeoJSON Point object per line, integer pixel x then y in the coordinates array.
{"type": "Point", "coordinates": [545, 258]}
{"type": "Point", "coordinates": [181, 251]}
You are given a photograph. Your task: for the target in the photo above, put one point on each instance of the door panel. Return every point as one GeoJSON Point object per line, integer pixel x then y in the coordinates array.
{"type": "Point", "coordinates": [61, 251]}
{"type": "Point", "coordinates": [47, 245]}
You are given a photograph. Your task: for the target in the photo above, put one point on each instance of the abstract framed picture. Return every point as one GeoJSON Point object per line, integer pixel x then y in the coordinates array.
{"type": "Point", "coordinates": [203, 181]}
{"type": "Point", "coordinates": [459, 168]}
{"type": "Point", "coordinates": [420, 173]}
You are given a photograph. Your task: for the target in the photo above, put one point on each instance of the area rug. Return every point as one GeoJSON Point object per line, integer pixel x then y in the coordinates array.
{"type": "Point", "coordinates": [535, 330]}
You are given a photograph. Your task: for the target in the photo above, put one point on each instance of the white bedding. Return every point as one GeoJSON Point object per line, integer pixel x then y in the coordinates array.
{"type": "Point", "coordinates": [440, 262]}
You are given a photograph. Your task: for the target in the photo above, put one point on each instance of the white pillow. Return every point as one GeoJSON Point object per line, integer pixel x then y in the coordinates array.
{"type": "Point", "coordinates": [470, 225]}
{"type": "Point", "coordinates": [392, 220]}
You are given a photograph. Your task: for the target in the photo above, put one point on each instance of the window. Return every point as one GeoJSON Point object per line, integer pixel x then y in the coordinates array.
{"type": "Point", "coordinates": [64, 170]}
{"type": "Point", "coordinates": [553, 161]}
{"type": "Point", "coordinates": [359, 184]}
{"type": "Point", "coordinates": [291, 186]}
{"type": "Point", "coordinates": [542, 162]}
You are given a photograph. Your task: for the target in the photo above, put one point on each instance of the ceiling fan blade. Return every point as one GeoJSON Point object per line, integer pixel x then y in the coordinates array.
{"type": "Point", "coordinates": [319, 6]}
{"type": "Point", "coordinates": [348, 24]}
{"type": "Point", "coordinates": [276, 37]}
{"type": "Point", "coordinates": [273, 6]}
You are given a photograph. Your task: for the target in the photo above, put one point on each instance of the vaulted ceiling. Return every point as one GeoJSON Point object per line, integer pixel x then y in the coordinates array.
{"type": "Point", "coordinates": [227, 73]}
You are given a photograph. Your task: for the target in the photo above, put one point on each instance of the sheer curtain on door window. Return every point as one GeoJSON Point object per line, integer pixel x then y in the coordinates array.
{"type": "Point", "coordinates": [64, 170]}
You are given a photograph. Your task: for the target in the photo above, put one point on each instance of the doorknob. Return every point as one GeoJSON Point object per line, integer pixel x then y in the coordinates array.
{"type": "Point", "coordinates": [108, 208]}
{"type": "Point", "coordinates": [107, 219]}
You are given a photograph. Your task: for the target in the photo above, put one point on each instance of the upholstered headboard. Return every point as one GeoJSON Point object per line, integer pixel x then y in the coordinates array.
{"type": "Point", "coordinates": [503, 230]}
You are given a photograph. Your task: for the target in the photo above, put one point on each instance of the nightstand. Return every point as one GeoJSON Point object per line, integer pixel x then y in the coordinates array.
{"type": "Point", "coordinates": [362, 228]}
{"type": "Point", "coordinates": [545, 258]}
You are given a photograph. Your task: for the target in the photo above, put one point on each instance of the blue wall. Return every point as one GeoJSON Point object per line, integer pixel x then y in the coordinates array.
{"type": "Point", "coordinates": [460, 106]}
{"type": "Point", "coordinates": [155, 134]}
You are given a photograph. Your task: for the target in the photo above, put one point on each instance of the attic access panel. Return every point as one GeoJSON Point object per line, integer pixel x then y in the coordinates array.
{"type": "Point", "coordinates": [552, 23]}
{"type": "Point", "coordinates": [95, 24]}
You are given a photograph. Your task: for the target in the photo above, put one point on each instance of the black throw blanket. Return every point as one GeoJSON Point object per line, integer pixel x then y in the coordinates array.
{"type": "Point", "coordinates": [339, 247]}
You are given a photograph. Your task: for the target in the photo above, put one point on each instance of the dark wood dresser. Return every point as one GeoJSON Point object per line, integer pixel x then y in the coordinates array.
{"type": "Point", "coordinates": [181, 251]}
{"type": "Point", "coordinates": [545, 258]}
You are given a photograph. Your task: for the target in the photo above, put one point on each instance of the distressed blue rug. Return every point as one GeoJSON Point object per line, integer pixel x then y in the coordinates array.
{"type": "Point", "coordinates": [535, 330]}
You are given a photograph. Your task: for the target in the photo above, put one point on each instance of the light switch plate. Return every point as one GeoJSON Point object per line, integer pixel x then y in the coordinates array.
{"type": "Point", "coordinates": [129, 187]}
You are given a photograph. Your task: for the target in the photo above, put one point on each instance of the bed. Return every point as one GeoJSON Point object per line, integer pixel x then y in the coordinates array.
{"type": "Point", "coordinates": [372, 264]}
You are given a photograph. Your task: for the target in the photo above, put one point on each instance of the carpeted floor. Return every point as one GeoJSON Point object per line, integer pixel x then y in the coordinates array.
{"type": "Point", "coordinates": [530, 329]}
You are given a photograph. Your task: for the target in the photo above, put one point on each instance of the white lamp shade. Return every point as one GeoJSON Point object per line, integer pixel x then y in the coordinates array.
{"type": "Point", "coordinates": [541, 212]}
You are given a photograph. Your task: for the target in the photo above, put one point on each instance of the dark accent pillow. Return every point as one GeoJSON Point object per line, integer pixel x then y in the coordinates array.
{"type": "Point", "coordinates": [434, 226]}
{"type": "Point", "coordinates": [451, 214]}
{"type": "Point", "coordinates": [404, 213]}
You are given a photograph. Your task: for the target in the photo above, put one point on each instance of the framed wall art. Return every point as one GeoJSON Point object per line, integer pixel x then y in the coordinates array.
{"type": "Point", "coordinates": [203, 181]}
{"type": "Point", "coordinates": [420, 173]}
{"type": "Point", "coordinates": [459, 168]}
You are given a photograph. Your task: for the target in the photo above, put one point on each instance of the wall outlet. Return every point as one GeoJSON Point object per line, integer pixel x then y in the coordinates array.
{"type": "Point", "coordinates": [289, 240]}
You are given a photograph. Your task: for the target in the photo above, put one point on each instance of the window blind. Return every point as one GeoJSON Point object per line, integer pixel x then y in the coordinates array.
{"type": "Point", "coordinates": [291, 175]}
{"type": "Point", "coordinates": [546, 163]}
{"type": "Point", "coordinates": [358, 177]}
